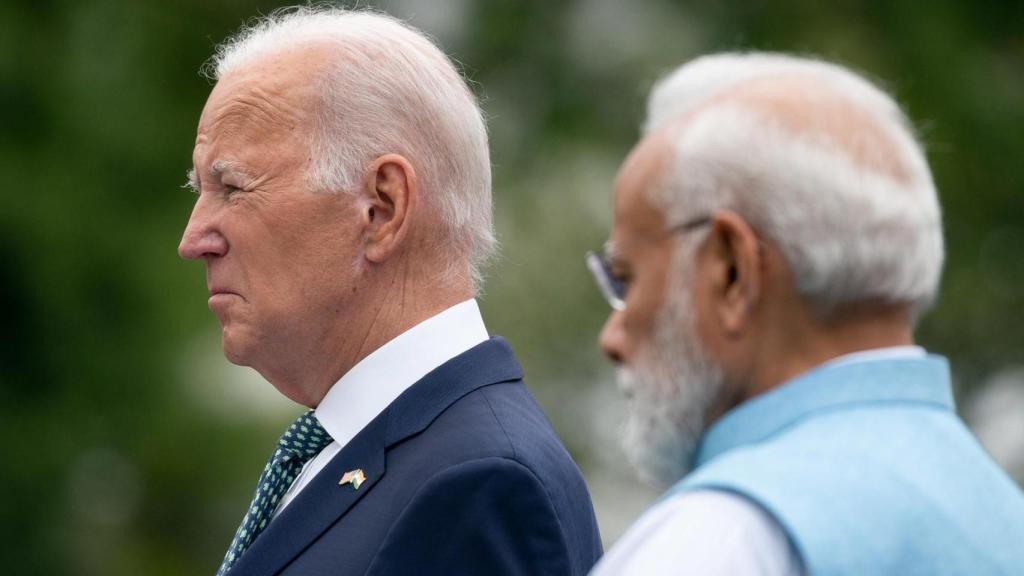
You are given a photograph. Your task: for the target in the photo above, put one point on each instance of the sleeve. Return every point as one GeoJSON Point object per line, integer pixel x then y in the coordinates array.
{"type": "Point", "coordinates": [707, 532]}
{"type": "Point", "coordinates": [490, 516]}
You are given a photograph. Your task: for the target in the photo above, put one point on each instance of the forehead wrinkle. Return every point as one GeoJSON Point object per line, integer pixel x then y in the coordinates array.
{"type": "Point", "coordinates": [256, 107]}
{"type": "Point", "coordinates": [251, 114]}
{"type": "Point", "coordinates": [274, 92]}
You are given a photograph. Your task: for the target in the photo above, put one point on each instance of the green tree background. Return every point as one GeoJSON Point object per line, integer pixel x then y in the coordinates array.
{"type": "Point", "coordinates": [130, 446]}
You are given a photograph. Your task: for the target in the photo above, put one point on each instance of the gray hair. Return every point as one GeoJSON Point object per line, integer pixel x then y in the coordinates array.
{"type": "Point", "coordinates": [850, 231]}
{"type": "Point", "coordinates": [390, 90]}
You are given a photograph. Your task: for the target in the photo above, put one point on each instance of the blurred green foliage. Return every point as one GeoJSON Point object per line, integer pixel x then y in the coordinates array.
{"type": "Point", "coordinates": [112, 465]}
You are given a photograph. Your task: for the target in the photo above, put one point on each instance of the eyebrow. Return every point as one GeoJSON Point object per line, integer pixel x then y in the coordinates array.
{"type": "Point", "coordinates": [221, 167]}
{"type": "Point", "coordinates": [612, 254]}
{"type": "Point", "coordinates": [217, 169]}
{"type": "Point", "coordinates": [191, 180]}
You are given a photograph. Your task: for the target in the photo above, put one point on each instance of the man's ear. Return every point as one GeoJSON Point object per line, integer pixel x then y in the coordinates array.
{"type": "Point", "coordinates": [390, 194]}
{"type": "Point", "coordinates": [736, 272]}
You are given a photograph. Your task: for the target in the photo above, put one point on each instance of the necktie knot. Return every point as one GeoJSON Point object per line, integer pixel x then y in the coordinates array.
{"type": "Point", "coordinates": [304, 439]}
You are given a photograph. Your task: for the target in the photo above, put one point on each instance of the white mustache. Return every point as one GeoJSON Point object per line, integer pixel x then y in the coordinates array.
{"type": "Point", "coordinates": [626, 380]}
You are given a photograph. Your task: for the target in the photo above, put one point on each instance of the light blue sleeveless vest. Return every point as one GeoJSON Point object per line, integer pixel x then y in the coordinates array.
{"type": "Point", "coordinates": [870, 472]}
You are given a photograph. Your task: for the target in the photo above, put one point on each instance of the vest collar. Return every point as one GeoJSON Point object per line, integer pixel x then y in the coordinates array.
{"type": "Point", "coordinates": [921, 381]}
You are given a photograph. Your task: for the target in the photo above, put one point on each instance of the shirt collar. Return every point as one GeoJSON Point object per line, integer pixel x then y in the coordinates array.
{"type": "Point", "coordinates": [372, 384]}
{"type": "Point", "coordinates": [888, 352]}
{"type": "Point", "coordinates": [836, 385]}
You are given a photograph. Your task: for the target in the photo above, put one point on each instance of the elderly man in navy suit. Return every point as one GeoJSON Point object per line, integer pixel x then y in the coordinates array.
{"type": "Point", "coordinates": [343, 211]}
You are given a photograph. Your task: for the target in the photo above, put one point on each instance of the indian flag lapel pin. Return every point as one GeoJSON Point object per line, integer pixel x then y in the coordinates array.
{"type": "Point", "coordinates": [353, 477]}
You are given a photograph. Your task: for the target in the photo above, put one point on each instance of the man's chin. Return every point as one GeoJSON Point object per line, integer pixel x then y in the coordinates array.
{"type": "Point", "coordinates": [663, 425]}
{"type": "Point", "coordinates": [658, 453]}
{"type": "Point", "coordinates": [236, 348]}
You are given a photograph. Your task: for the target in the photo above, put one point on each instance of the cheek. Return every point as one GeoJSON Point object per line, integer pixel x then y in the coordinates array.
{"type": "Point", "coordinates": [700, 302]}
{"type": "Point", "coordinates": [323, 264]}
{"type": "Point", "coordinates": [295, 255]}
{"type": "Point", "coordinates": [645, 304]}
{"type": "Point", "coordinates": [330, 250]}
{"type": "Point", "coordinates": [638, 324]}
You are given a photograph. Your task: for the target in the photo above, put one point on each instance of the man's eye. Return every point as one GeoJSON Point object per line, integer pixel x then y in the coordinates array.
{"type": "Point", "coordinates": [229, 189]}
{"type": "Point", "coordinates": [620, 283]}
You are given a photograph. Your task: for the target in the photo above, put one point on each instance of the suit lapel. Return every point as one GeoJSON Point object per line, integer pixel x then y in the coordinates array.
{"type": "Point", "coordinates": [323, 501]}
{"type": "Point", "coordinates": [318, 506]}
{"type": "Point", "coordinates": [489, 362]}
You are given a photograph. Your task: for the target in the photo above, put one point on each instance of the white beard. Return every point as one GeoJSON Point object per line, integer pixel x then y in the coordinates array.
{"type": "Point", "coordinates": [672, 384]}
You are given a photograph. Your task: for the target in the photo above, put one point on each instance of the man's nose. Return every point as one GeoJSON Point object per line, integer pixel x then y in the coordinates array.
{"type": "Point", "coordinates": [201, 238]}
{"type": "Point", "coordinates": [611, 339]}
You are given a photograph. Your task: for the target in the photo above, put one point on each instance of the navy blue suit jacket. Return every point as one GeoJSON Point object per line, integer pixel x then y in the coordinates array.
{"type": "Point", "coordinates": [464, 476]}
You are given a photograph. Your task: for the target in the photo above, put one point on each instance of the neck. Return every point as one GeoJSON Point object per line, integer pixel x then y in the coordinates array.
{"type": "Point", "coordinates": [380, 311]}
{"type": "Point", "coordinates": [796, 347]}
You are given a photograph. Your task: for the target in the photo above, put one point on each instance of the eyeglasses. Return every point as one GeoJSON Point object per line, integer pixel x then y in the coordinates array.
{"type": "Point", "coordinates": [613, 288]}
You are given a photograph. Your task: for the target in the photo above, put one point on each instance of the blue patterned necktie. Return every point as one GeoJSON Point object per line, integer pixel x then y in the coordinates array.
{"type": "Point", "coordinates": [303, 440]}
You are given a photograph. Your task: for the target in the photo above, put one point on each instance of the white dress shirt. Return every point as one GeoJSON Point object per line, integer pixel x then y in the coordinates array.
{"type": "Point", "coordinates": [715, 532]}
{"type": "Point", "coordinates": [372, 384]}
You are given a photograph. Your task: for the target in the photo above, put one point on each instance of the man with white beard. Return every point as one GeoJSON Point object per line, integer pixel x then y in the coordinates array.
{"type": "Point", "coordinates": [777, 234]}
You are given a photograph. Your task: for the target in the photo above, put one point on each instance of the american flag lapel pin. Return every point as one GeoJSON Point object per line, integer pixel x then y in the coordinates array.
{"type": "Point", "coordinates": [353, 477]}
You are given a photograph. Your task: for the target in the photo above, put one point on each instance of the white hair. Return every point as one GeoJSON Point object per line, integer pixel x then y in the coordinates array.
{"type": "Point", "coordinates": [849, 229]}
{"type": "Point", "coordinates": [388, 90]}
{"type": "Point", "coordinates": [672, 383]}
